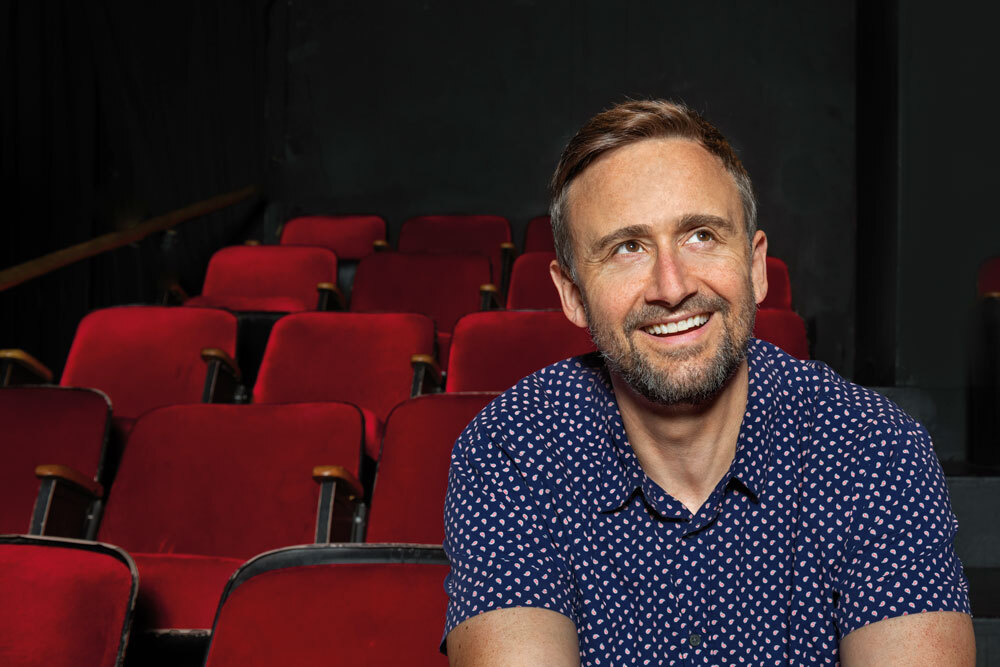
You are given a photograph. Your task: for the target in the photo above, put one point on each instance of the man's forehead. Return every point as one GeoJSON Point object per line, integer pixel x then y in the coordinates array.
{"type": "Point", "coordinates": [650, 181]}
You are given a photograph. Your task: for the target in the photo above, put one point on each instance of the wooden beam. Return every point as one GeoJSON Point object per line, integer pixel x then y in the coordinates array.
{"type": "Point", "coordinates": [16, 275]}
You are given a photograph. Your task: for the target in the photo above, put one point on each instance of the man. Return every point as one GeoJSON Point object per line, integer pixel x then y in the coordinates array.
{"type": "Point", "coordinates": [692, 496]}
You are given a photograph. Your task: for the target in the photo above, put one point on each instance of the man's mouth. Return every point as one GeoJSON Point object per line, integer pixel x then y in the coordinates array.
{"type": "Point", "coordinates": [670, 328]}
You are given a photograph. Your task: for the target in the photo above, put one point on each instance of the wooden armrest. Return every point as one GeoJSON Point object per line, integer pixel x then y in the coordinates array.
{"type": "Point", "coordinates": [74, 477]}
{"type": "Point", "coordinates": [489, 297]}
{"type": "Point", "coordinates": [991, 295]}
{"type": "Point", "coordinates": [425, 371]}
{"type": "Point", "coordinates": [323, 474]}
{"type": "Point", "coordinates": [23, 360]}
{"type": "Point", "coordinates": [330, 297]}
{"type": "Point", "coordinates": [251, 242]}
{"type": "Point", "coordinates": [380, 245]}
{"type": "Point", "coordinates": [210, 354]}
{"type": "Point", "coordinates": [507, 245]}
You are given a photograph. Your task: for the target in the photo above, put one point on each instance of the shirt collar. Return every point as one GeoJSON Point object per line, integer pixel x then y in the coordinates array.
{"type": "Point", "coordinates": [620, 473]}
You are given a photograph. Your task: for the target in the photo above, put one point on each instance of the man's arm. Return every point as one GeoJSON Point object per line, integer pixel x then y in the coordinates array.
{"type": "Point", "coordinates": [514, 636]}
{"type": "Point", "coordinates": [938, 638]}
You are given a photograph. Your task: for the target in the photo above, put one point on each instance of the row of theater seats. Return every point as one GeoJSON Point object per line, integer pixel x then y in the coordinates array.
{"type": "Point", "coordinates": [71, 604]}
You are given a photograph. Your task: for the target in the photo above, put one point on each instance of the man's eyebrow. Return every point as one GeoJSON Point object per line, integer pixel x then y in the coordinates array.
{"type": "Point", "coordinates": [620, 234]}
{"type": "Point", "coordinates": [692, 220]}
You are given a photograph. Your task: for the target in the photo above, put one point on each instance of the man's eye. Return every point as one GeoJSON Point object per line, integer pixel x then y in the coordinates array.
{"type": "Point", "coordinates": [628, 247]}
{"type": "Point", "coordinates": [700, 236]}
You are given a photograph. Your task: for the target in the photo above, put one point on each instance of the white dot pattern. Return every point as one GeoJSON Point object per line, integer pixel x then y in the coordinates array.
{"type": "Point", "coordinates": [834, 514]}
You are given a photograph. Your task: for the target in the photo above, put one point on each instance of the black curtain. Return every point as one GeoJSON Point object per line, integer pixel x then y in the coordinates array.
{"type": "Point", "coordinates": [113, 112]}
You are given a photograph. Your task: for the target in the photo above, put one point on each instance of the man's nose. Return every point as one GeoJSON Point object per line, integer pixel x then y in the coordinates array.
{"type": "Point", "coordinates": [671, 281]}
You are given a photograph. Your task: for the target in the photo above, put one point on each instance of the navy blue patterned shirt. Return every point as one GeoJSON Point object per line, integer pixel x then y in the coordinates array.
{"type": "Point", "coordinates": [834, 514]}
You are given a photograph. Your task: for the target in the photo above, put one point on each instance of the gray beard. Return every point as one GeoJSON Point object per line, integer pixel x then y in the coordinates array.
{"type": "Point", "coordinates": [692, 386]}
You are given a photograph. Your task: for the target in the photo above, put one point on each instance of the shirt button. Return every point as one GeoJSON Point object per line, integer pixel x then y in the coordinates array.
{"type": "Point", "coordinates": [694, 640]}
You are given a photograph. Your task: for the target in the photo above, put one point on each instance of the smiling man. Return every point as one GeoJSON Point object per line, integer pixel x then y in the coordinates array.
{"type": "Point", "coordinates": [691, 495]}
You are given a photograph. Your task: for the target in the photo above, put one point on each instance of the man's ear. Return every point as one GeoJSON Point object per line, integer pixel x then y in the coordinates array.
{"type": "Point", "coordinates": [758, 265]}
{"type": "Point", "coordinates": [569, 294]}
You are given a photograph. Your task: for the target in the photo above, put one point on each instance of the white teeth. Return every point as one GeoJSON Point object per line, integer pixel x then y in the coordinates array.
{"type": "Point", "coordinates": [677, 327]}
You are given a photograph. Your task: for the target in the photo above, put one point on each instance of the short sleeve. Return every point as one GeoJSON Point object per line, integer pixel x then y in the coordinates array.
{"type": "Point", "coordinates": [899, 556]}
{"type": "Point", "coordinates": [497, 538]}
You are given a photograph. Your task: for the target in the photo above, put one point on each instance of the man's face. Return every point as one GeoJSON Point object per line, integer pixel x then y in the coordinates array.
{"type": "Point", "coordinates": [666, 282]}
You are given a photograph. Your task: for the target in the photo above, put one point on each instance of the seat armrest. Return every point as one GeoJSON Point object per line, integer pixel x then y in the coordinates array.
{"type": "Point", "coordinates": [174, 294]}
{"type": "Point", "coordinates": [489, 297]}
{"type": "Point", "coordinates": [67, 502]}
{"type": "Point", "coordinates": [222, 376]}
{"type": "Point", "coordinates": [428, 377]}
{"type": "Point", "coordinates": [330, 297]}
{"type": "Point", "coordinates": [380, 245]}
{"type": "Point", "coordinates": [340, 510]}
{"type": "Point", "coordinates": [19, 367]}
{"type": "Point", "coordinates": [251, 242]}
{"type": "Point", "coordinates": [507, 252]}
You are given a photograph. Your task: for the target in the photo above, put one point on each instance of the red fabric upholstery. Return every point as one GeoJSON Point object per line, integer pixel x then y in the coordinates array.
{"type": "Point", "coordinates": [180, 590]}
{"type": "Point", "coordinates": [62, 605]}
{"type": "Point", "coordinates": [359, 358]}
{"type": "Point", "coordinates": [43, 425]}
{"type": "Point", "coordinates": [538, 235]}
{"type": "Point", "coordinates": [143, 357]}
{"type": "Point", "coordinates": [253, 277]}
{"type": "Point", "coordinates": [491, 351]}
{"type": "Point", "coordinates": [349, 236]}
{"type": "Point", "coordinates": [779, 285]}
{"type": "Point", "coordinates": [408, 501]}
{"type": "Point", "coordinates": [343, 614]}
{"type": "Point", "coordinates": [481, 234]}
{"type": "Point", "coordinates": [988, 279]}
{"type": "Point", "coordinates": [785, 329]}
{"type": "Point", "coordinates": [443, 287]}
{"type": "Point", "coordinates": [227, 480]}
{"type": "Point", "coordinates": [531, 286]}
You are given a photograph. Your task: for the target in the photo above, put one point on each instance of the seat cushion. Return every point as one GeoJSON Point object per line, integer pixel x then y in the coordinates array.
{"type": "Point", "coordinates": [179, 590]}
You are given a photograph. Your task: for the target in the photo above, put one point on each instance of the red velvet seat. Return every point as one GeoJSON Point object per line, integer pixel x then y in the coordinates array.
{"type": "Point", "coordinates": [482, 234]}
{"type": "Point", "coordinates": [360, 358]}
{"type": "Point", "coordinates": [538, 235]}
{"type": "Point", "coordinates": [64, 603]}
{"type": "Point", "coordinates": [783, 328]}
{"type": "Point", "coordinates": [202, 487]}
{"type": "Point", "coordinates": [988, 278]}
{"type": "Point", "coordinates": [334, 604]}
{"type": "Point", "coordinates": [145, 357]}
{"type": "Point", "coordinates": [47, 425]}
{"type": "Point", "coordinates": [348, 236]}
{"type": "Point", "coordinates": [531, 285]}
{"type": "Point", "coordinates": [492, 350]}
{"type": "Point", "coordinates": [442, 286]}
{"type": "Point", "coordinates": [408, 501]}
{"type": "Point", "coordinates": [779, 285]}
{"type": "Point", "coordinates": [266, 278]}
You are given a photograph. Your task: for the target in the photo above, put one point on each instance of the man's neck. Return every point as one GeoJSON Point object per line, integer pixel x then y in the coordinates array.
{"type": "Point", "coordinates": [685, 449]}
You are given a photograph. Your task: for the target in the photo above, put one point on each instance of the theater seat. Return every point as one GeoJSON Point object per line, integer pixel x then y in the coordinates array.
{"type": "Point", "coordinates": [286, 279]}
{"type": "Point", "coordinates": [779, 285]}
{"type": "Point", "coordinates": [988, 278]}
{"type": "Point", "coordinates": [64, 603]}
{"type": "Point", "coordinates": [441, 286]}
{"type": "Point", "coordinates": [538, 235]}
{"type": "Point", "coordinates": [488, 235]}
{"type": "Point", "coordinates": [334, 604]}
{"type": "Point", "coordinates": [203, 487]}
{"type": "Point", "coordinates": [350, 237]}
{"type": "Point", "coordinates": [408, 501]}
{"type": "Point", "coordinates": [360, 358]}
{"type": "Point", "coordinates": [783, 328]}
{"type": "Point", "coordinates": [492, 351]}
{"type": "Point", "coordinates": [48, 425]}
{"type": "Point", "coordinates": [531, 285]}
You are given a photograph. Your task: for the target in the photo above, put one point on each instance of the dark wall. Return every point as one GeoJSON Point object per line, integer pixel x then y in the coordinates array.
{"type": "Point", "coordinates": [111, 112]}
{"type": "Point", "coordinates": [403, 108]}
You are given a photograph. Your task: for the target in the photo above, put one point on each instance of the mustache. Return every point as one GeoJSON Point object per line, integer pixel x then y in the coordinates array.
{"type": "Point", "coordinates": [696, 303]}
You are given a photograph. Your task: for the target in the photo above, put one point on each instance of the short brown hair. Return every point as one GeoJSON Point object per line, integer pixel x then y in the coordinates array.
{"type": "Point", "coordinates": [628, 123]}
